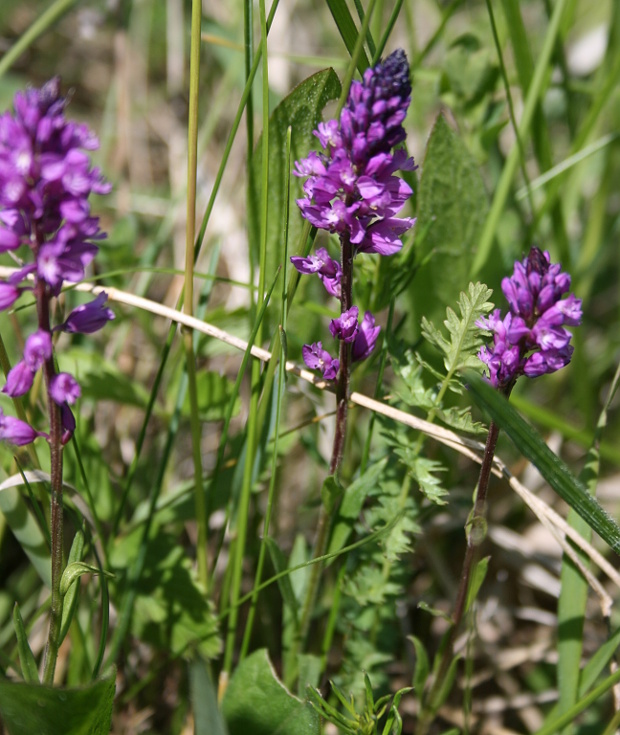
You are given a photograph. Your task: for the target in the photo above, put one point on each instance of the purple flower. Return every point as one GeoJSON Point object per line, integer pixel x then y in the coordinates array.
{"type": "Point", "coordinates": [316, 358]}
{"type": "Point", "coordinates": [64, 389]}
{"type": "Point", "coordinates": [15, 431]}
{"type": "Point", "coordinates": [346, 326]}
{"type": "Point", "coordinates": [88, 318]}
{"type": "Point", "coordinates": [366, 338]}
{"type": "Point", "coordinates": [19, 380]}
{"type": "Point", "coordinates": [328, 269]}
{"type": "Point", "coordinates": [38, 349]}
{"type": "Point", "coordinates": [531, 339]}
{"type": "Point", "coordinates": [351, 187]}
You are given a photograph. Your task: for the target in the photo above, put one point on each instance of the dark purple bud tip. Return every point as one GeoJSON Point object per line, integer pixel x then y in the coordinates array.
{"type": "Point", "coordinates": [396, 69]}
{"type": "Point", "coordinates": [536, 262]}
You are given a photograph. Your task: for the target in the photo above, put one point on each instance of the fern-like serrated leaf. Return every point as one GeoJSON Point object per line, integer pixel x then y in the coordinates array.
{"type": "Point", "coordinates": [465, 338]}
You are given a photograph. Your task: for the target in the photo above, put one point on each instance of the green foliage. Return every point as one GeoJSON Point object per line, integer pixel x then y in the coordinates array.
{"type": "Point", "coordinates": [460, 350]}
{"type": "Point", "coordinates": [256, 701]}
{"type": "Point", "coordinates": [452, 209]}
{"type": "Point", "coordinates": [350, 721]}
{"type": "Point", "coordinates": [301, 110]}
{"type": "Point", "coordinates": [551, 467]}
{"type": "Point", "coordinates": [28, 709]}
{"type": "Point", "coordinates": [171, 611]}
{"type": "Point", "coordinates": [215, 391]}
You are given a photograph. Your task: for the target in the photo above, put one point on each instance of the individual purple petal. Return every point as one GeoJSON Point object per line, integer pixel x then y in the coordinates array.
{"type": "Point", "coordinates": [366, 338]}
{"type": "Point", "coordinates": [88, 318]}
{"type": "Point", "coordinates": [15, 431]}
{"type": "Point", "coordinates": [19, 380]}
{"type": "Point", "coordinates": [67, 420]}
{"type": "Point", "coordinates": [345, 327]}
{"type": "Point", "coordinates": [8, 240]}
{"type": "Point", "coordinates": [38, 349]}
{"type": "Point", "coordinates": [8, 295]}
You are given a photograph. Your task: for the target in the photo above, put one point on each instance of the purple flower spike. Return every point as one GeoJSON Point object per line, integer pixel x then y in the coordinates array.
{"type": "Point", "coordinates": [366, 338]}
{"type": "Point", "coordinates": [316, 358]}
{"type": "Point", "coordinates": [531, 339]}
{"type": "Point", "coordinates": [346, 326]}
{"type": "Point", "coordinates": [88, 318]}
{"type": "Point", "coordinates": [46, 179]}
{"type": "Point", "coordinates": [351, 187]}
{"type": "Point", "coordinates": [15, 431]}
{"type": "Point", "coordinates": [65, 389]}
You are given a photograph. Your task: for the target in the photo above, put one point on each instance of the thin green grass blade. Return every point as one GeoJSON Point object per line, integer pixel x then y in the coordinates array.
{"type": "Point", "coordinates": [40, 25]}
{"type": "Point", "coordinates": [574, 588]}
{"type": "Point", "coordinates": [555, 726]}
{"type": "Point", "coordinates": [348, 31]}
{"type": "Point", "coordinates": [551, 467]}
{"type": "Point", "coordinates": [534, 95]}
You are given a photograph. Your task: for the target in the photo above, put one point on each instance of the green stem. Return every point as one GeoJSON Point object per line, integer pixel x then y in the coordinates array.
{"type": "Point", "coordinates": [188, 303]}
{"type": "Point", "coordinates": [56, 513]}
{"type": "Point", "coordinates": [475, 536]}
{"type": "Point", "coordinates": [342, 402]}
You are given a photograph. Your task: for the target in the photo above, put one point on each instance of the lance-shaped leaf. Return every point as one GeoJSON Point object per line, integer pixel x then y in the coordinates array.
{"type": "Point", "coordinates": [550, 466]}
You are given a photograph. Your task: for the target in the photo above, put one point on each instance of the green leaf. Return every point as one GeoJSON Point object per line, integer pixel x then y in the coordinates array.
{"type": "Point", "coordinates": [214, 393]}
{"type": "Point", "coordinates": [284, 583]}
{"type": "Point", "coordinates": [453, 206]}
{"type": "Point", "coordinates": [207, 716]}
{"type": "Point", "coordinates": [257, 702]}
{"type": "Point", "coordinates": [331, 492]}
{"type": "Point", "coordinates": [422, 666]}
{"type": "Point", "coordinates": [475, 583]}
{"type": "Point", "coordinates": [465, 338]}
{"type": "Point", "coordinates": [26, 709]}
{"type": "Point", "coordinates": [74, 571]}
{"type": "Point", "coordinates": [26, 529]}
{"type": "Point", "coordinates": [301, 110]}
{"type": "Point", "coordinates": [69, 602]}
{"type": "Point", "coordinates": [551, 467]}
{"type": "Point", "coordinates": [351, 505]}
{"type": "Point", "coordinates": [27, 660]}
{"type": "Point", "coordinates": [171, 610]}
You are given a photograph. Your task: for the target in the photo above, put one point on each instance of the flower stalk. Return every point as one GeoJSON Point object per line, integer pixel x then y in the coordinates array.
{"type": "Point", "coordinates": [352, 191]}
{"type": "Point", "coordinates": [46, 179]}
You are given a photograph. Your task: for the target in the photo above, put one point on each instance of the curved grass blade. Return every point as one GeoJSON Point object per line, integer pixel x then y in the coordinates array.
{"type": "Point", "coordinates": [551, 467]}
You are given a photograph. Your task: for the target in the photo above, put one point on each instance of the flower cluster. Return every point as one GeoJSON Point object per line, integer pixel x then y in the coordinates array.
{"type": "Point", "coordinates": [352, 190]}
{"type": "Point", "coordinates": [351, 187]}
{"type": "Point", "coordinates": [531, 339]}
{"type": "Point", "coordinates": [46, 179]}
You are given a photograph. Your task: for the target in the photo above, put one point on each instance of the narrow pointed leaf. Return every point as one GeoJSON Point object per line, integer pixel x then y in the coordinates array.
{"type": "Point", "coordinates": [551, 467]}
{"type": "Point", "coordinates": [26, 657]}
